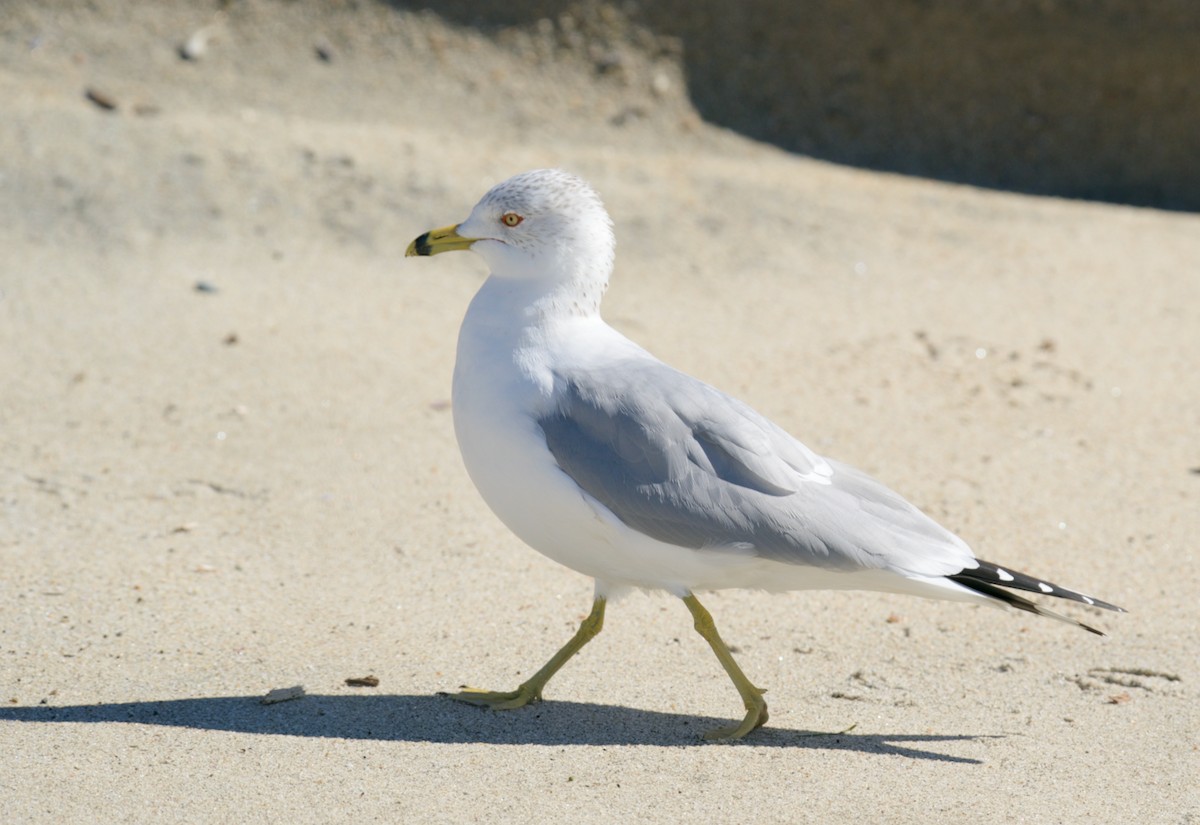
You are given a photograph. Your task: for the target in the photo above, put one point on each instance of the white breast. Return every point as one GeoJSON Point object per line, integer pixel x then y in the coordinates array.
{"type": "Point", "coordinates": [500, 387]}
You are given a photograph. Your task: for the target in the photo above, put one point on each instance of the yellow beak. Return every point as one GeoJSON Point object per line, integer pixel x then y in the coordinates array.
{"type": "Point", "coordinates": [434, 241]}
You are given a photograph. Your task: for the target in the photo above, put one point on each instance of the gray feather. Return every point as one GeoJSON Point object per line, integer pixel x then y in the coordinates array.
{"type": "Point", "coordinates": [685, 464]}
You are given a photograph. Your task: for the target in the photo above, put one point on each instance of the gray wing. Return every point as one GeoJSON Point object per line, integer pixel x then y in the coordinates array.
{"type": "Point", "coordinates": [679, 461]}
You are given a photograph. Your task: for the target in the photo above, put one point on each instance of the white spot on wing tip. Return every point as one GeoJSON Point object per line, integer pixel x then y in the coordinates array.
{"type": "Point", "coordinates": [1087, 599]}
{"type": "Point", "coordinates": [1045, 588]}
{"type": "Point", "coordinates": [1004, 575]}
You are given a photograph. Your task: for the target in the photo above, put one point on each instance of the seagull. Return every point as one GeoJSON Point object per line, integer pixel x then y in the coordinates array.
{"type": "Point", "coordinates": [608, 461]}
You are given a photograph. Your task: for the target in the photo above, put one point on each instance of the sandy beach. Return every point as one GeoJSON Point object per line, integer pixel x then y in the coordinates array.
{"type": "Point", "coordinates": [228, 464]}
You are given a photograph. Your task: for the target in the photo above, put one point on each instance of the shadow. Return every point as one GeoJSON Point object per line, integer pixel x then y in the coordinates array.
{"type": "Point", "coordinates": [438, 719]}
{"type": "Point", "coordinates": [1096, 103]}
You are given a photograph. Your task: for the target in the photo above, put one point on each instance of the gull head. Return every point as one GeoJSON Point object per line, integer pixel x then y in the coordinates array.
{"type": "Point", "coordinates": [547, 226]}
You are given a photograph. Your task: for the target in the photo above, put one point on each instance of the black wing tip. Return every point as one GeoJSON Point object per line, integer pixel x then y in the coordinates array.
{"type": "Point", "coordinates": [997, 575]}
{"type": "Point", "coordinates": [1019, 602]}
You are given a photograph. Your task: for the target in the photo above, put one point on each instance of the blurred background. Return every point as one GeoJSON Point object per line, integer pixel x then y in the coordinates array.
{"type": "Point", "coordinates": [1096, 100]}
{"type": "Point", "coordinates": [1078, 99]}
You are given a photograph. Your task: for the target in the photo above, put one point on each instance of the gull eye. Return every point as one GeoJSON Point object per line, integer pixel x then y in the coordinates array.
{"type": "Point", "coordinates": [511, 219]}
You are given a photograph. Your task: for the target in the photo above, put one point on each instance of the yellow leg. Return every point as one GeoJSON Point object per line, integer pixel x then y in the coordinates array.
{"type": "Point", "coordinates": [756, 706]}
{"type": "Point", "coordinates": [531, 689]}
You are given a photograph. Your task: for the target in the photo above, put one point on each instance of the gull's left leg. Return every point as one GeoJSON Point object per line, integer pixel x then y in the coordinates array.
{"type": "Point", "coordinates": [531, 689]}
{"type": "Point", "coordinates": [756, 706]}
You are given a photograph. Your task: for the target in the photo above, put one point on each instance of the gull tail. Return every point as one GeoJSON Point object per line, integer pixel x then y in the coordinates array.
{"type": "Point", "coordinates": [991, 579]}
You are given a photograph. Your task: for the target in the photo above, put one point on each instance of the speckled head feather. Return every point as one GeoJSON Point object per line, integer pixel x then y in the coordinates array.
{"type": "Point", "coordinates": [562, 233]}
{"type": "Point", "coordinates": [545, 191]}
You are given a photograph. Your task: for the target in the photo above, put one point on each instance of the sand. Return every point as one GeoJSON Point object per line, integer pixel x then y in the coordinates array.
{"type": "Point", "coordinates": [228, 465]}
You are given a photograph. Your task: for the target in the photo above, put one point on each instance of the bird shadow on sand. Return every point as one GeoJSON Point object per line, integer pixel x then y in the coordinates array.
{"type": "Point", "coordinates": [437, 719]}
